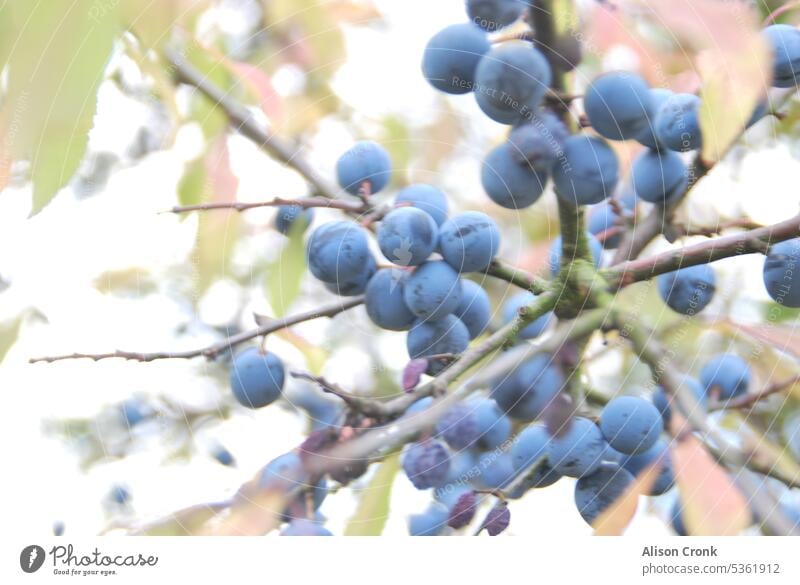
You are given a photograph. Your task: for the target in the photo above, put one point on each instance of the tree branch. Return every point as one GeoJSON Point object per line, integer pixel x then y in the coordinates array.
{"type": "Point", "coordinates": [305, 203]}
{"type": "Point", "coordinates": [243, 121]}
{"type": "Point", "coordinates": [214, 350]}
{"type": "Point", "coordinates": [749, 242]}
{"type": "Point", "coordinates": [517, 277]}
{"type": "Point", "coordinates": [385, 439]}
{"type": "Point", "coordinates": [750, 400]}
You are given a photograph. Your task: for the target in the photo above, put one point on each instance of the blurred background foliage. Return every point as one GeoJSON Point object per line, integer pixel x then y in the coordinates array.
{"type": "Point", "coordinates": [98, 138]}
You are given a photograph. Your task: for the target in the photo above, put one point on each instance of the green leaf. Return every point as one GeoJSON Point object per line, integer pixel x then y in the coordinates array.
{"type": "Point", "coordinates": [285, 275]}
{"type": "Point", "coordinates": [777, 313]}
{"type": "Point", "coordinates": [373, 507]}
{"type": "Point", "coordinates": [9, 331]}
{"type": "Point", "coordinates": [211, 117]}
{"type": "Point", "coordinates": [192, 186]}
{"type": "Point", "coordinates": [56, 63]}
{"type": "Point", "coordinates": [151, 21]}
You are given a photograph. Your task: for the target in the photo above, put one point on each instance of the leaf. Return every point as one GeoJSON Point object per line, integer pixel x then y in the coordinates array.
{"type": "Point", "coordinates": [712, 504]}
{"type": "Point", "coordinates": [186, 522]}
{"type": "Point", "coordinates": [56, 64]}
{"type": "Point", "coordinates": [784, 339]}
{"type": "Point", "coordinates": [732, 58]}
{"type": "Point", "coordinates": [259, 83]}
{"type": "Point", "coordinates": [285, 275]}
{"type": "Point", "coordinates": [210, 179]}
{"type": "Point", "coordinates": [319, 36]}
{"type": "Point", "coordinates": [9, 330]}
{"type": "Point", "coordinates": [373, 506]}
{"type": "Point", "coordinates": [211, 117]}
{"type": "Point", "coordinates": [150, 21]}
{"type": "Point", "coordinates": [134, 281]}
{"type": "Point", "coordinates": [192, 186]}
{"type": "Point", "coordinates": [615, 519]}
{"type": "Point", "coordinates": [777, 313]}
{"type": "Point", "coordinates": [734, 79]}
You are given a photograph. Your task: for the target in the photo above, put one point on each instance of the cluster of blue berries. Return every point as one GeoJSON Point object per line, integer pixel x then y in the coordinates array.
{"type": "Point", "coordinates": [497, 442]}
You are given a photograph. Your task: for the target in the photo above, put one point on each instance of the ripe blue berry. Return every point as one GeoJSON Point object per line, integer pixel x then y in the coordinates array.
{"type": "Point", "coordinates": [469, 241]}
{"type": "Point", "coordinates": [445, 335]}
{"type": "Point", "coordinates": [433, 290]}
{"type": "Point", "coordinates": [452, 56]}
{"type": "Point", "coordinates": [784, 41]}
{"type": "Point", "coordinates": [407, 236]}
{"type": "Point", "coordinates": [365, 163]}
{"type": "Point", "coordinates": [659, 176]}
{"type": "Point", "coordinates": [578, 451]}
{"type": "Point", "coordinates": [596, 492]}
{"type": "Point", "coordinates": [636, 464]}
{"type": "Point", "coordinates": [496, 470]}
{"type": "Point", "coordinates": [539, 142]}
{"type": "Point", "coordinates": [530, 446]}
{"type": "Point", "coordinates": [284, 474]}
{"type": "Point", "coordinates": [223, 456]}
{"type": "Point", "coordinates": [351, 287]}
{"type": "Point", "coordinates": [602, 219]}
{"type": "Point", "coordinates": [619, 105]}
{"type": "Point", "coordinates": [728, 374]}
{"type": "Point", "coordinates": [288, 215]}
{"type": "Point", "coordinates": [511, 309]}
{"type": "Point", "coordinates": [256, 378]}
{"type": "Point", "coordinates": [688, 290]}
{"type": "Point", "coordinates": [449, 494]}
{"type": "Point", "coordinates": [676, 518]}
{"type": "Point", "coordinates": [677, 122]}
{"type": "Point", "coordinates": [781, 274]}
{"type": "Point", "coordinates": [462, 468]}
{"type": "Point", "coordinates": [323, 409]}
{"type": "Point", "coordinates": [337, 251]}
{"type": "Point", "coordinates": [304, 527]}
{"type": "Point", "coordinates": [119, 494]}
{"type": "Point", "coordinates": [647, 135]}
{"type": "Point", "coordinates": [631, 425]}
{"type": "Point", "coordinates": [474, 310]}
{"type": "Point", "coordinates": [508, 182]}
{"type": "Point", "coordinates": [384, 300]}
{"type": "Point", "coordinates": [133, 412]}
{"type": "Point", "coordinates": [663, 402]}
{"type": "Point", "coordinates": [419, 406]}
{"type": "Point", "coordinates": [426, 464]}
{"type": "Point", "coordinates": [588, 172]}
{"type": "Point", "coordinates": [492, 15]}
{"type": "Point", "coordinates": [430, 523]}
{"type": "Point", "coordinates": [554, 257]}
{"type": "Point", "coordinates": [510, 82]}
{"type": "Point", "coordinates": [527, 390]}
{"type": "Point", "coordinates": [475, 422]}
{"type": "Point", "coordinates": [425, 197]}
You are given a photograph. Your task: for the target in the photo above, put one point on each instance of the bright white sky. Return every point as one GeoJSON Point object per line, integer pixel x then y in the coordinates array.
{"type": "Point", "coordinates": [54, 258]}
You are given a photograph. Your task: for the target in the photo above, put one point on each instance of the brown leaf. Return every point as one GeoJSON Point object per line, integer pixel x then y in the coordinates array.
{"type": "Point", "coordinates": [615, 519]}
{"type": "Point", "coordinates": [712, 504]}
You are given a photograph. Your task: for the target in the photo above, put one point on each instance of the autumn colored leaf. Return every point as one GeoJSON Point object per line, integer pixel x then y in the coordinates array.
{"type": "Point", "coordinates": [615, 519]}
{"type": "Point", "coordinates": [712, 504]}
